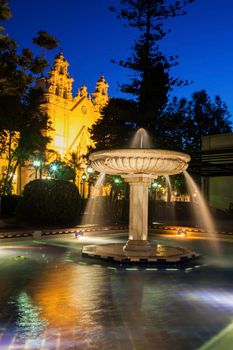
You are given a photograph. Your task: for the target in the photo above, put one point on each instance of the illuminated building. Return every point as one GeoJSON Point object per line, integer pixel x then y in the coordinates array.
{"type": "Point", "coordinates": [71, 116]}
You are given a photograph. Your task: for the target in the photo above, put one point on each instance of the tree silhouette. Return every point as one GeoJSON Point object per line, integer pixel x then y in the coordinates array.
{"type": "Point", "coordinates": [22, 121]}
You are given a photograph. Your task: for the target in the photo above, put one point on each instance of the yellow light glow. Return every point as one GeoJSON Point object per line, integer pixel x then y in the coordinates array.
{"type": "Point", "coordinates": [59, 141]}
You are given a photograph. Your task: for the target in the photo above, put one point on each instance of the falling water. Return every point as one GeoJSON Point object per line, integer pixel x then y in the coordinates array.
{"type": "Point", "coordinates": [201, 210]}
{"type": "Point", "coordinates": [94, 208]}
{"type": "Point", "coordinates": [170, 203]}
{"type": "Point", "coordinates": [169, 188]}
{"type": "Point", "coordinates": [99, 181]}
{"type": "Point", "coordinates": [141, 139]}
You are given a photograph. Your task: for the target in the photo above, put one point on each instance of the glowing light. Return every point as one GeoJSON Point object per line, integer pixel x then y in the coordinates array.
{"type": "Point", "coordinates": [54, 167]}
{"type": "Point", "coordinates": [218, 298]}
{"type": "Point", "coordinates": [90, 170]}
{"type": "Point", "coordinates": [181, 232]}
{"type": "Point", "coordinates": [46, 177]}
{"type": "Point", "coordinates": [29, 321]}
{"type": "Point", "coordinates": [84, 176]}
{"type": "Point", "coordinates": [82, 238]}
{"type": "Point", "coordinates": [59, 141]}
{"type": "Point", "coordinates": [36, 163]}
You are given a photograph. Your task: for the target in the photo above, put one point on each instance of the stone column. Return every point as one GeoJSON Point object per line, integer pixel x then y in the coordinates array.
{"type": "Point", "coordinates": [138, 214]}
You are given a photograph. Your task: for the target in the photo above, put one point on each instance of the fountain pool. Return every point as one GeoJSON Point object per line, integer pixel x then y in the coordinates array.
{"type": "Point", "coordinates": [55, 299]}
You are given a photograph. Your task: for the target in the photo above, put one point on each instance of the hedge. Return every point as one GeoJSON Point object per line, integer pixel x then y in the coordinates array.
{"type": "Point", "coordinates": [50, 203]}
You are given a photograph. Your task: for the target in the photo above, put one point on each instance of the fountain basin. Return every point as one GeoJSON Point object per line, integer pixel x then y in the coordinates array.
{"type": "Point", "coordinates": [140, 161]}
{"type": "Point", "coordinates": [159, 255]}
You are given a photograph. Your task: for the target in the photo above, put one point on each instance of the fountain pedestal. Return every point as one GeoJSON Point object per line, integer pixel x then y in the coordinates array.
{"type": "Point", "coordinates": [137, 243]}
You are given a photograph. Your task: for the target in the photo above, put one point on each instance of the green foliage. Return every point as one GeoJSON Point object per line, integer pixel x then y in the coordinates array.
{"type": "Point", "coordinates": [151, 81]}
{"type": "Point", "coordinates": [73, 162]}
{"type": "Point", "coordinates": [178, 183]}
{"type": "Point", "coordinates": [114, 128]}
{"type": "Point", "coordinates": [5, 12]}
{"type": "Point", "coordinates": [106, 210]}
{"type": "Point", "coordinates": [9, 205]}
{"type": "Point", "coordinates": [45, 40]}
{"type": "Point", "coordinates": [116, 210]}
{"type": "Point", "coordinates": [208, 117]}
{"type": "Point", "coordinates": [50, 203]}
{"type": "Point", "coordinates": [185, 122]}
{"type": "Point", "coordinates": [61, 171]}
{"type": "Point", "coordinates": [119, 188]}
{"type": "Point", "coordinates": [23, 125]}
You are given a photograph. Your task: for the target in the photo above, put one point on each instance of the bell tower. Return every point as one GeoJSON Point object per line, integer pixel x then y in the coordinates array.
{"type": "Point", "coordinates": [59, 82]}
{"type": "Point", "coordinates": [101, 93]}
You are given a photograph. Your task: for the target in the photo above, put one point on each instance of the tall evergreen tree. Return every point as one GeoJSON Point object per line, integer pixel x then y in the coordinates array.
{"type": "Point", "coordinates": [152, 80]}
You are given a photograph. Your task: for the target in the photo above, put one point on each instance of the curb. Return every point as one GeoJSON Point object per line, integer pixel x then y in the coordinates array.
{"type": "Point", "coordinates": [190, 229]}
{"type": "Point", "coordinates": [24, 234]}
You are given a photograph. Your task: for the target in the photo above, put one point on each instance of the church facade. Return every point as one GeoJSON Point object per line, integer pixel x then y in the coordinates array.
{"type": "Point", "coordinates": [70, 116]}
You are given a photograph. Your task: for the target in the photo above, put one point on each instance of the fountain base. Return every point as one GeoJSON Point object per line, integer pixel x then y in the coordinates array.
{"type": "Point", "coordinates": [158, 255]}
{"type": "Point", "coordinates": [141, 247]}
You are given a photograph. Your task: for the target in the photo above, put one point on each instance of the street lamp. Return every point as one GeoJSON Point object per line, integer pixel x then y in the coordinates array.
{"type": "Point", "coordinates": [36, 164]}
{"type": "Point", "coordinates": [84, 177]}
{"type": "Point", "coordinates": [54, 169]}
{"type": "Point", "coordinates": [90, 173]}
{"type": "Point", "coordinates": [154, 187]}
{"type": "Point", "coordinates": [90, 170]}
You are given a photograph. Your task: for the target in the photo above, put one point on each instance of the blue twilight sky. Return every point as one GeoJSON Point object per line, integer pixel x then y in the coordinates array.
{"type": "Point", "coordinates": [90, 36]}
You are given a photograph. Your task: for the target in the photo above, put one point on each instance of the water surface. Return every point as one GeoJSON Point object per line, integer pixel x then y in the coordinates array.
{"type": "Point", "coordinates": [51, 298]}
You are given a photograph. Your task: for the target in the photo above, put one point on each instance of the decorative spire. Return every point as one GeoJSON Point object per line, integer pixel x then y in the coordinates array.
{"type": "Point", "coordinates": [101, 93]}
{"type": "Point", "coordinates": [59, 81]}
{"type": "Point", "coordinates": [83, 91]}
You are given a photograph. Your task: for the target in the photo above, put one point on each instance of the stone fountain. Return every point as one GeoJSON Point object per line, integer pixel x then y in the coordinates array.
{"type": "Point", "coordinates": [139, 167]}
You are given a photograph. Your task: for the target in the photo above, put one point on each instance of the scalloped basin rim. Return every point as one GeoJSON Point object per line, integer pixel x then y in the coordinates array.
{"type": "Point", "coordinates": [140, 152]}
{"type": "Point", "coordinates": [140, 161]}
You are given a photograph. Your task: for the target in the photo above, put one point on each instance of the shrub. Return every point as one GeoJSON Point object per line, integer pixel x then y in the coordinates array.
{"type": "Point", "coordinates": [50, 203]}
{"type": "Point", "coordinates": [9, 205]}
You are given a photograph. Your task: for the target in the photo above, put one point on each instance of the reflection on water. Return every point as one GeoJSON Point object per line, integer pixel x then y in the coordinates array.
{"type": "Point", "coordinates": [29, 323]}
{"type": "Point", "coordinates": [55, 300]}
